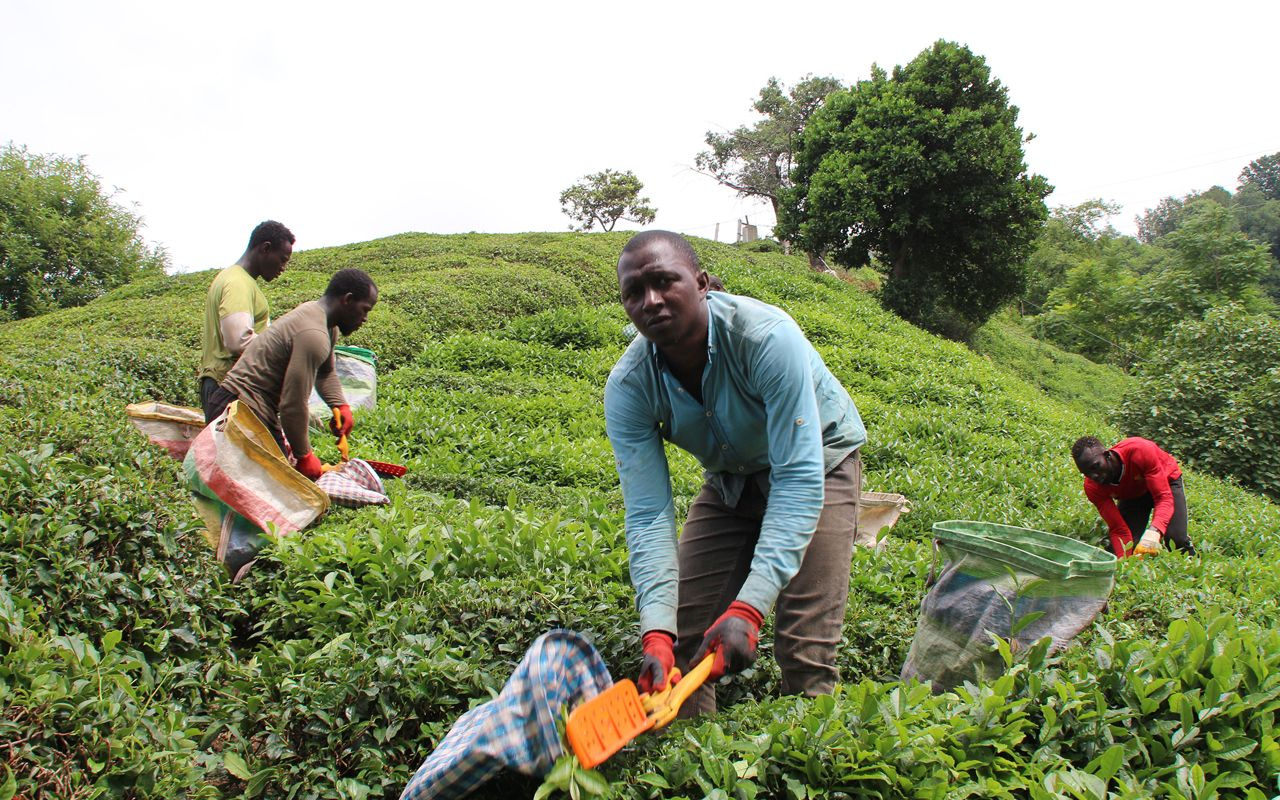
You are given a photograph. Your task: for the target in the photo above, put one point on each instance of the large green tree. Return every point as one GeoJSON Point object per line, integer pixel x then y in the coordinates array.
{"type": "Point", "coordinates": [923, 170]}
{"type": "Point", "coordinates": [603, 198]}
{"type": "Point", "coordinates": [756, 160]}
{"type": "Point", "coordinates": [63, 238]}
{"type": "Point", "coordinates": [1092, 311]}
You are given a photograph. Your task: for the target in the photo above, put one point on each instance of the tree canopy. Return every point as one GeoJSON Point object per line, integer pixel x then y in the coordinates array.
{"type": "Point", "coordinates": [1264, 173]}
{"type": "Point", "coordinates": [756, 160]}
{"type": "Point", "coordinates": [605, 197]}
{"type": "Point", "coordinates": [1113, 298]}
{"type": "Point", "coordinates": [1171, 212]}
{"type": "Point", "coordinates": [63, 239]}
{"type": "Point", "coordinates": [924, 171]}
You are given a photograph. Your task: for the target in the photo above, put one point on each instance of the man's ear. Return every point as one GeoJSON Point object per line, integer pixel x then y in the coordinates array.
{"type": "Point", "coordinates": [704, 282]}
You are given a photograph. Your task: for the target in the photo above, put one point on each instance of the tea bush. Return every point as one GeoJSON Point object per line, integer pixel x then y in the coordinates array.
{"type": "Point", "coordinates": [1194, 715]}
{"type": "Point", "coordinates": [130, 667]}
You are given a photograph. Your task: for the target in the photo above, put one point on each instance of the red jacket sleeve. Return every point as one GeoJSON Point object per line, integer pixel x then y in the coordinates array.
{"type": "Point", "coordinates": [1107, 509]}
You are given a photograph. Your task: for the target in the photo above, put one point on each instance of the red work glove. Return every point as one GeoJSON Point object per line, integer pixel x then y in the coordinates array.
{"type": "Point", "coordinates": [310, 466]}
{"type": "Point", "coordinates": [659, 660]}
{"type": "Point", "coordinates": [733, 637]}
{"type": "Point", "coordinates": [348, 421]}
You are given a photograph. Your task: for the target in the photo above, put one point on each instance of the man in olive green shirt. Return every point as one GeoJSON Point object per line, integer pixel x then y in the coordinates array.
{"type": "Point", "coordinates": [282, 365]}
{"type": "Point", "coordinates": [236, 310]}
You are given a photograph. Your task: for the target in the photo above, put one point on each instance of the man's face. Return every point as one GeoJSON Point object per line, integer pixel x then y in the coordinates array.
{"type": "Point", "coordinates": [272, 258]}
{"type": "Point", "coordinates": [354, 312]}
{"type": "Point", "coordinates": [664, 295]}
{"type": "Point", "coordinates": [1096, 464]}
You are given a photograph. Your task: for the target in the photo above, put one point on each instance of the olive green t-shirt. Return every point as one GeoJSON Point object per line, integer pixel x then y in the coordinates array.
{"type": "Point", "coordinates": [232, 292]}
{"type": "Point", "coordinates": [279, 368]}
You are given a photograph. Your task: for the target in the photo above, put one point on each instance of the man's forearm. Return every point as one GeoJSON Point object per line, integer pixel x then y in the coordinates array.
{"type": "Point", "coordinates": [237, 331]}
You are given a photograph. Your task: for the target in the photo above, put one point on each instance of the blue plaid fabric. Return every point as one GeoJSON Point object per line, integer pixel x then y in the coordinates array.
{"type": "Point", "coordinates": [517, 729]}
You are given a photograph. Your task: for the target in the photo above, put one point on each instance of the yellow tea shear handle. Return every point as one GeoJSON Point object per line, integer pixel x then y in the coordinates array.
{"type": "Point", "coordinates": [601, 726]}
{"type": "Point", "coordinates": [343, 447]}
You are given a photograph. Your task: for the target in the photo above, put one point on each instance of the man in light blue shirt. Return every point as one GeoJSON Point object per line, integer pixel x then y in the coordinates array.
{"type": "Point", "coordinates": [734, 382]}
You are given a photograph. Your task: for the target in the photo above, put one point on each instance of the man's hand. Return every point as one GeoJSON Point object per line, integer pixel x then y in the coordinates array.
{"type": "Point", "coordinates": [733, 637]}
{"type": "Point", "coordinates": [659, 660]}
{"type": "Point", "coordinates": [310, 466]}
{"type": "Point", "coordinates": [343, 413]}
{"type": "Point", "coordinates": [1149, 544]}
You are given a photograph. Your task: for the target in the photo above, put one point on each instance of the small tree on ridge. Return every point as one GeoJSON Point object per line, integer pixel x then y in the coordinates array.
{"type": "Point", "coordinates": [605, 197]}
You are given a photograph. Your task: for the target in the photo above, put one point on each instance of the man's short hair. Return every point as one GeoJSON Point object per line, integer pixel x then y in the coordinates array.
{"type": "Point", "coordinates": [355, 282]}
{"type": "Point", "coordinates": [270, 231]}
{"type": "Point", "coordinates": [1085, 443]}
{"type": "Point", "coordinates": [678, 243]}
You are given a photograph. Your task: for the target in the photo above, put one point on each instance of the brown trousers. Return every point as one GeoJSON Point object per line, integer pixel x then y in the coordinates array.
{"type": "Point", "coordinates": [716, 547]}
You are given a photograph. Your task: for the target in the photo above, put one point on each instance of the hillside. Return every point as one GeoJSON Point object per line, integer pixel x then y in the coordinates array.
{"type": "Point", "coordinates": [129, 661]}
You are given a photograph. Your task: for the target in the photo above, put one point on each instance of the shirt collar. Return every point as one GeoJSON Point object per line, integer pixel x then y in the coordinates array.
{"type": "Point", "coordinates": [656, 355]}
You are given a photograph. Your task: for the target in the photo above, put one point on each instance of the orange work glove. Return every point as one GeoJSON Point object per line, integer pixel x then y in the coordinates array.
{"type": "Point", "coordinates": [1149, 544]}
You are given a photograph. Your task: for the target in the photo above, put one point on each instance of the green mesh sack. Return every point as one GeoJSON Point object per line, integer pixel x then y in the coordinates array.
{"type": "Point", "coordinates": [358, 372]}
{"type": "Point", "coordinates": [1016, 583]}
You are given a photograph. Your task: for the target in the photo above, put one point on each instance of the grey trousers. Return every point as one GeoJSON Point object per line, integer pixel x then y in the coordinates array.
{"type": "Point", "coordinates": [1137, 515]}
{"type": "Point", "coordinates": [716, 547]}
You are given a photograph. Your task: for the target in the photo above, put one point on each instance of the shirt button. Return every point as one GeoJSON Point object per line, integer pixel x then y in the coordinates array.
{"type": "Point", "coordinates": [708, 413]}
{"type": "Point", "coordinates": [739, 469]}
{"type": "Point", "coordinates": [724, 447]}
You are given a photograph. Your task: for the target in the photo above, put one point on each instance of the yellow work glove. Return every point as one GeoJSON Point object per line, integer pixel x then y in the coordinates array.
{"type": "Point", "coordinates": [1149, 544]}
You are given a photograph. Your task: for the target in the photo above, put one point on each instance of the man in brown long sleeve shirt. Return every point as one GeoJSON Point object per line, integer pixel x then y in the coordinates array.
{"type": "Point", "coordinates": [279, 368]}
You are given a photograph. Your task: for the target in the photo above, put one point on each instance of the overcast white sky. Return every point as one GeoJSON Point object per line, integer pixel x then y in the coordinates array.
{"type": "Point", "coordinates": [351, 121]}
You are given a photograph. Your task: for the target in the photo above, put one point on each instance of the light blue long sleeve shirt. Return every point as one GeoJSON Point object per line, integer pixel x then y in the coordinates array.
{"type": "Point", "coordinates": [768, 403]}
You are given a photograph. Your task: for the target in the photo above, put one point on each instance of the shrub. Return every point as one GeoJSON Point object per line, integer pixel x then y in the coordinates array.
{"type": "Point", "coordinates": [346, 655]}
{"type": "Point", "coordinates": [1210, 394]}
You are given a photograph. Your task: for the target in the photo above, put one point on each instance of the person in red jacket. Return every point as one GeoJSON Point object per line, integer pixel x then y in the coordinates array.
{"type": "Point", "coordinates": [1136, 486]}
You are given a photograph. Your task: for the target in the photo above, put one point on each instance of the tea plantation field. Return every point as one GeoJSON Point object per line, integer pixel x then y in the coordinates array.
{"type": "Point", "coordinates": [130, 667]}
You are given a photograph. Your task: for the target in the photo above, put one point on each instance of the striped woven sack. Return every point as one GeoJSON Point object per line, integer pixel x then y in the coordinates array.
{"type": "Point", "coordinates": [169, 426]}
{"type": "Point", "coordinates": [244, 487]}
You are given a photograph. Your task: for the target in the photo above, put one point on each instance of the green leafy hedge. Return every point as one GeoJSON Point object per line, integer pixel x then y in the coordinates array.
{"type": "Point", "coordinates": [1211, 394]}
{"type": "Point", "coordinates": [1192, 716]}
{"type": "Point", "coordinates": [129, 666]}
